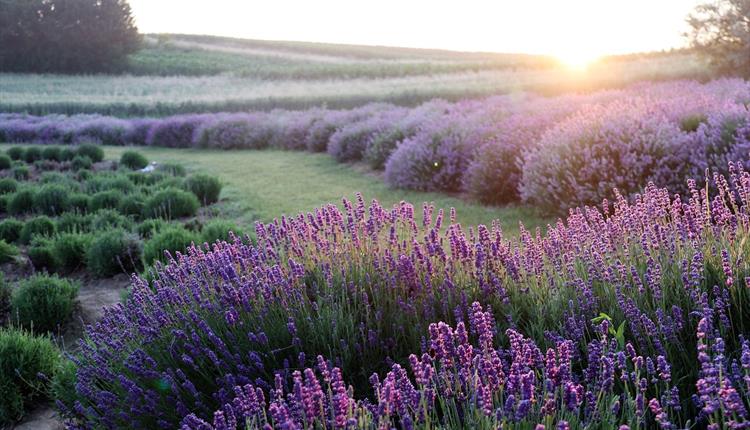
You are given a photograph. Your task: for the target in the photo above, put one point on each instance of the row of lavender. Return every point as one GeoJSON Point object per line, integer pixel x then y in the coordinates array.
{"type": "Point", "coordinates": [557, 152]}
{"type": "Point", "coordinates": [634, 315]}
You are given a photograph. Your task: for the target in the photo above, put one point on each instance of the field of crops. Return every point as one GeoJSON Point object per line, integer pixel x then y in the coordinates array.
{"type": "Point", "coordinates": [251, 213]}
{"type": "Point", "coordinates": [554, 153]}
{"type": "Point", "coordinates": [193, 74]}
{"type": "Point", "coordinates": [370, 316]}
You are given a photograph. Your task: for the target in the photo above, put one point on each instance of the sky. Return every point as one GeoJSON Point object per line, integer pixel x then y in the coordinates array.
{"type": "Point", "coordinates": [568, 29]}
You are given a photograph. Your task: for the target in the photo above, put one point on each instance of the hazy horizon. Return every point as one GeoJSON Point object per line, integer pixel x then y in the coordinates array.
{"type": "Point", "coordinates": [577, 30]}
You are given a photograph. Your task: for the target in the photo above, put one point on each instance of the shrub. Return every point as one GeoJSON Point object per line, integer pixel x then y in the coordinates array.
{"type": "Point", "coordinates": [43, 302]}
{"type": "Point", "coordinates": [5, 162]}
{"type": "Point", "coordinates": [350, 142]}
{"type": "Point", "coordinates": [10, 229]}
{"type": "Point", "coordinates": [73, 222]}
{"type": "Point", "coordinates": [171, 239]}
{"type": "Point", "coordinates": [21, 173]}
{"type": "Point", "coordinates": [382, 146]}
{"type": "Point", "coordinates": [57, 178]}
{"type": "Point", "coordinates": [133, 160]}
{"type": "Point", "coordinates": [5, 293]}
{"type": "Point", "coordinates": [218, 230]}
{"type": "Point", "coordinates": [149, 227]}
{"type": "Point", "coordinates": [234, 131]}
{"type": "Point", "coordinates": [80, 162]}
{"type": "Point", "coordinates": [195, 225]}
{"type": "Point", "coordinates": [23, 358]}
{"type": "Point", "coordinates": [4, 199]}
{"type": "Point", "coordinates": [8, 185]}
{"type": "Point", "coordinates": [21, 202]}
{"type": "Point", "coordinates": [107, 182]}
{"type": "Point", "coordinates": [290, 128]}
{"type": "Point", "coordinates": [321, 130]}
{"type": "Point", "coordinates": [495, 174]}
{"type": "Point", "coordinates": [8, 252]}
{"type": "Point", "coordinates": [432, 160]}
{"type": "Point", "coordinates": [53, 153]}
{"type": "Point", "coordinates": [105, 200]}
{"type": "Point", "coordinates": [52, 199]}
{"type": "Point", "coordinates": [114, 251]}
{"type": "Point", "coordinates": [39, 226]}
{"type": "Point", "coordinates": [70, 249]}
{"type": "Point", "coordinates": [583, 159]}
{"type": "Point", "coordinates": [175, 132]}
{"type": "Point", "coordinates": [79, 202]}
{"type": "Point", "coordinates": [145, 178]}
{"type": "Point", "coordinates": [167, 182]}
{"type": "Point", "coordinates": [45, 165]}
{"type": "Point", "coordinates": [721, 139]}
{"type": "Point", "coordinates": [172, 169]}
{"type": "Point", "coordinates": [42, 254]}
{"type": "Point", "coordinates": [106, 219]}
{"type": "Point", "coordinates": [32, 154]}
{"type": "Point", "coordinates": [67, 154]}
{"type": "Point", "coordinates": [16, 153]}
{"type": "Point", "coordinates": [132, 205]}
{"type": "Point", "coordinates": [103, 130]}
{"type": "Point", "coordinates": [171, 203]}
{"type": "Point", "coordinates": [63, 384]}
{"type": "Point", "coordinates": [95, 153]}
{"type": "Point", "coordinates": [207, 188]}
{"type": "Point", "coordinates": [84, 174]}
{"type": "Point", "coordinates": [138, 131]}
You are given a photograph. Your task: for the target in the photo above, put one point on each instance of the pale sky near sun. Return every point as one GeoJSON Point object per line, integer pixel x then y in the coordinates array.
{"type": "Point", "coordinates": [565, 28]}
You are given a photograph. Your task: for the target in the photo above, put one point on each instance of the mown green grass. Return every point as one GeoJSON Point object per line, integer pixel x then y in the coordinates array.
{"type": "Point", "coordinates": [263, 185]}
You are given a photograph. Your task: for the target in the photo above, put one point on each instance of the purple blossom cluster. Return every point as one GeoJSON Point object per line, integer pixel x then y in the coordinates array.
{"type": "Point", "coordinates": [630, 314]}
{"type": "Point", "coordinates": [557, 152]}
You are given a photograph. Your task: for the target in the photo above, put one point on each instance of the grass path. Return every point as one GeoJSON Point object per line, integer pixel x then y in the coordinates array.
{"type": "Point", "coordinates": [262, 185]}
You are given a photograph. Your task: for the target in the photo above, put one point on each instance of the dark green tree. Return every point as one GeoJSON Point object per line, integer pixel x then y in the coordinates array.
{"type": "Point", "coordinates": [720, 30]}
{"type": "Point", "coordinates": [66, 36]}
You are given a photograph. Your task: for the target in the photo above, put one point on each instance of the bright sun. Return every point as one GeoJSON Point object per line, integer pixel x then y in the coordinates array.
{"type": "Point", "coordinates": [577, 60]}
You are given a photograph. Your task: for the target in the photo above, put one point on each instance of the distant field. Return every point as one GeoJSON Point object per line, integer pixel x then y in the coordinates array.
{"type": "Point", "coordinates": [169, 55]}
{"type": "Point", "coordinates": [179, 74]}
{"type": "Point", "coordinates": [263, 185]}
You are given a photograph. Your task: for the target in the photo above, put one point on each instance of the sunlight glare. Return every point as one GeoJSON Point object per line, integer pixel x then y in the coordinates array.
{"type": "Point", "coordinates": [577, 60]}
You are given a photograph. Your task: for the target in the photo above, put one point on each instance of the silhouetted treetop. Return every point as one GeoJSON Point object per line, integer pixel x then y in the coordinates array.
{"type": "Point", "coordinates": [720, 30]}
{"type": "Point", "coordinates": [66, 36]}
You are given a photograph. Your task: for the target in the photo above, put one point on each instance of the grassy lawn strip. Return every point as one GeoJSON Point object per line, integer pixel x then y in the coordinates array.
{"type": "Point", "coordinates": [262, 185]}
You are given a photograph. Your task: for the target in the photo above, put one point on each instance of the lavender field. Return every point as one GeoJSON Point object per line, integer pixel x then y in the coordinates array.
{"type": "Point", "coordinates": [629, 312]}
{"type": "Point", "coordinates": [554, 153]}
{"type": "Point", "coordinates": [486, 215]}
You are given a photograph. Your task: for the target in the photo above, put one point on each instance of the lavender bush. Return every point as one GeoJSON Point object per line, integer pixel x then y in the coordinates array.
{"type": "Point", "coordinates": [721, 138]}
{"type": "Point", "coordinates": [632, 315]}
{"type": "Point", "coordinates": [435, 158]}
{"type": "Point", "coordinates": [498, 150]}
{"type": "Point", "coordinates": [321, 129]}
{"type": "Point", "coordinates": [350, 142]}
{"type": "Point", "coordinates": [619, 146]}
{"type": "Point", "coordinates": [175, 132]}
{"type": "Point", "coordinates": [233, 131]}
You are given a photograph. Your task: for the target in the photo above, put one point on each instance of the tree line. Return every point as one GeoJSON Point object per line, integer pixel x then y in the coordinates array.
{"type": "Point", "coordinates": [66, 36]}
